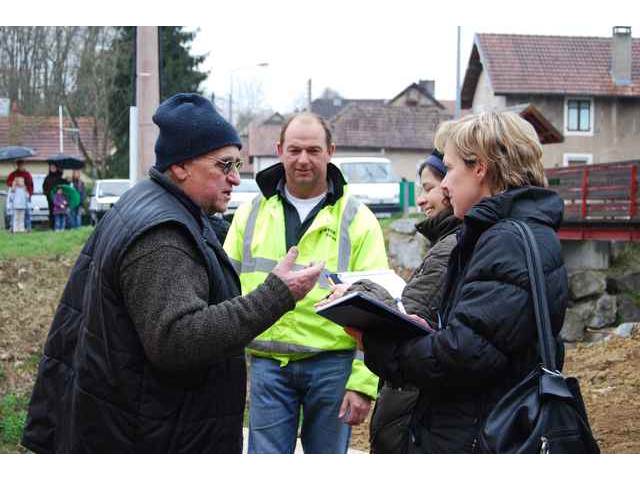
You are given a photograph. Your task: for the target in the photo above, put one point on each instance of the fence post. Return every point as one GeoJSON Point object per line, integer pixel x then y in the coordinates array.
{"type": "Point", "coordinates": [404, 196]}
{"type": "Point", "coordinates": [633, 204]}
{"type": "Point", "coordinates": [585, 191]}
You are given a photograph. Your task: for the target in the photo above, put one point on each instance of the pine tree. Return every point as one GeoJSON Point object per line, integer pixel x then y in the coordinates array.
{"type": "Point", "coordinates": [178, 73]}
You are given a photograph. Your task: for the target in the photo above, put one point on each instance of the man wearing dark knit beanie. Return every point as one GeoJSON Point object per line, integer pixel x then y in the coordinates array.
{"type": "Point", "coordinates": [146, 350]}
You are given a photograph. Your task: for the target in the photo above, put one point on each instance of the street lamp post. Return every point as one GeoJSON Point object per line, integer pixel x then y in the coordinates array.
{"type": "Point", "coordinates": [262, 64]}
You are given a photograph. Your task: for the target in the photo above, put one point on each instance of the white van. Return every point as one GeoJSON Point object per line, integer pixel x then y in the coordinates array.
{"type": "Point", "coordinates": [105, 194]}
{"type": "Point", "coordinates": [372, 180]}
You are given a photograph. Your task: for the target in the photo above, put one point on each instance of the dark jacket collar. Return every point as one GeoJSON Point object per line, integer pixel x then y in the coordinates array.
{"type": "Point", "coordinates": [532, 204]}
{"type": "Point", "coordinates": [271, 181]}
{"type": "Point", "coordinates": [164, 181]}
{"type": "Point", "coordinates": [439, 226]}
{"type": "Point", "coordinates": [529, 204]}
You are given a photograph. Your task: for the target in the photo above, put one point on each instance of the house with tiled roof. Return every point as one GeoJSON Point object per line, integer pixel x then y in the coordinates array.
{"type": "Point", "coordinates": [329, 107]}
{"type": "Point", "coordinates": [262, 136]}
{"type": "Point", "coordinates": [584, 91]}
{"type": "Point", "coordinates": [43, 135]}
{"type": "Point", "coordinates": [400, 129]}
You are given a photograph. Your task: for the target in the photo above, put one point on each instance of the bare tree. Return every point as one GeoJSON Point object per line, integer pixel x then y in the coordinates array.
{"type": "Point", "coordinates": [43, 67]}
{"type": "Point", "coordinates": [94, 82]}
{"type": "Point", "coordinates": [38, 65]}
{"type": "Point", "coordinates": [250, 102]}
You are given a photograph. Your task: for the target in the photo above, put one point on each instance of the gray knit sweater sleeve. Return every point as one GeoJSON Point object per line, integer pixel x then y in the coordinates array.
{"type": "Point", "coordinates": [166, 290]}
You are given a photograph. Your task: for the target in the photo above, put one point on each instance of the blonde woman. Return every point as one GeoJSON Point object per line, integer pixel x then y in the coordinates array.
{"type": "Point", "coordinates": [487, 341]}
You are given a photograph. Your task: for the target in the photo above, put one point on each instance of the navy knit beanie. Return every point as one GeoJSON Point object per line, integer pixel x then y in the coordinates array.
{"type": "Point", "coordinates": [435, 161]}
{"type": "Point", "coordinates": [190, 127]}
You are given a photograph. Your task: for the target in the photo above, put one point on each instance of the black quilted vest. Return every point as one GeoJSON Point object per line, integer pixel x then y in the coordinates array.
{"type": "Point", "coordinates": [96, 390]}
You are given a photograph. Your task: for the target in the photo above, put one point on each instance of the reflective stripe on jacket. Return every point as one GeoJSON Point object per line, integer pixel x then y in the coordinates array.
{"type": "Point", "coordinates": [345, 235]}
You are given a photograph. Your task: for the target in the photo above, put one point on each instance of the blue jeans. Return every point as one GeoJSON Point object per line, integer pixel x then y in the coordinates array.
{"type": "Point", "coordinates": [74, 218]}
{"type": "Point", "coordinates": [317, 385]}
{"type": "Point", "coordinates": [59, 221]}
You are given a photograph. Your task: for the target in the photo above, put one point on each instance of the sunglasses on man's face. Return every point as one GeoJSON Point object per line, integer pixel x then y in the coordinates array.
{"type": "Point", "coordinates": [228, 166]}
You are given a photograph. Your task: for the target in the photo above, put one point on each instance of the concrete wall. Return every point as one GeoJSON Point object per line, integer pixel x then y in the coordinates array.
{"type": "Point", "coordinates": [616, 129]}
{"type": "Point", "coordinates": [586, 255]}
{"type": "Point", "coordinates": [484, 98]}
{"type": "Point", "coordinates": [616, 124]}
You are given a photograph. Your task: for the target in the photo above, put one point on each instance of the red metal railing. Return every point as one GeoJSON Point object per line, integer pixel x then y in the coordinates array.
{"type": "Point", "coordinates": [601, 201]}
{"type": "Point", "coordinates": [633, 208]}
{"type": "Point", "coordinates": [598, 193]}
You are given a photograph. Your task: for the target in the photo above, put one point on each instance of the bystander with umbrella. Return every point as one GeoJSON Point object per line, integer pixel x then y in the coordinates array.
{"type": "Point", "coordinates": [18, 154]}
{"type": "Point", "coordinates": [64, 161]}
{"type": "Point", "coordinates": [52, 180]}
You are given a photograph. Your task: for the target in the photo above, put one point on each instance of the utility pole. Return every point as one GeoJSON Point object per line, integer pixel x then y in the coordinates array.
{"type": "Point", "coordinates": [458, 99]}
{"type": "Point", "coordinates": [147, 96]}
{"type": "Point", "coordinates": [309, 95]}
{"type": "Point", "coordinates": [231, 97]}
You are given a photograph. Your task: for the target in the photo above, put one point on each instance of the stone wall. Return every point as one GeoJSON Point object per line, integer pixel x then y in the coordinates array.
{"type": "Point", "coordinates": [406, 247]}
{"type": "Point", "coordinates": [604, 282]}
{"type": "Point", "coordinates": [603, 303]}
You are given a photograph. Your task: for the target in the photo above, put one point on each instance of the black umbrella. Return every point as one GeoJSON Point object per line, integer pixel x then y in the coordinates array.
{"type": "Point", "coordinates": [65, 161]}
{"type": "Point", "coordinates": [15, 153]}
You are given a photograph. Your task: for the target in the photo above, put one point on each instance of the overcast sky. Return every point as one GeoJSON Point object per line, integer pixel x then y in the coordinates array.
{"type": "Point", "coordinates": [368, 49]}
{"type": "Point", "coordinates": [361, 48]}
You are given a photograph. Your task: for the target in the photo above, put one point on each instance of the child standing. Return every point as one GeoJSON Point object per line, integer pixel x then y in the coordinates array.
{"type": "Point", "coordinates": [59, 210]}
{"type": "Point", "coordinates": [18, 205]}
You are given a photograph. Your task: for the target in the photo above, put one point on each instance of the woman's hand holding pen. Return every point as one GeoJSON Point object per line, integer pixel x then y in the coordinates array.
{"type": "Point", "coordinates": [338, 290]}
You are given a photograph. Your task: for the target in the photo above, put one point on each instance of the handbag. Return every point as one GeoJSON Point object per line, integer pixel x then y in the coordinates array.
{"type": "Point", "coordinates": [545, 412]}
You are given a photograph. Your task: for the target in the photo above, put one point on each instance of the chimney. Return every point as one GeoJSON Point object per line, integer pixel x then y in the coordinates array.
{"type": "Point", "coordinates": [429, 86]}
{"type": "Point", "coordinates": [621, 55]}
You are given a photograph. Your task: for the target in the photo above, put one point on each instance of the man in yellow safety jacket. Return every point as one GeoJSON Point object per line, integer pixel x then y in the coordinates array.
{"type": "Point", "coordinates": [305, 361]}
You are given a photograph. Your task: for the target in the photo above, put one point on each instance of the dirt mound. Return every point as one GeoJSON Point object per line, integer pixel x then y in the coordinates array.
{"type": "Point", "coordinates": [31, 289]}
{"type": "Point", "coordinates": [609, 375]}
{"type": "Point", "coordinates": [609, 372]}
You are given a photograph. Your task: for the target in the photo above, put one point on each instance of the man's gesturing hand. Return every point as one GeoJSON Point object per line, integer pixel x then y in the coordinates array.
{"type": "Point", "coordinates": [355, 408]}
{"type": "Point", "coordinates": [300, 282]}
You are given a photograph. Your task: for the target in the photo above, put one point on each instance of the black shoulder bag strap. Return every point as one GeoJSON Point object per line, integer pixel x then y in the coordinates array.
{"type": "Point", "coordinates": [539, 296]}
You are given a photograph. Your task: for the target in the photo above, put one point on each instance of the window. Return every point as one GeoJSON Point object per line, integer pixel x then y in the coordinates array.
{"type": "Point", "coordinates": [577, 159]}
{"type": "Point", "coordinates": [579, 116]}
{"type": "Point", "coordinates": [367, 172]}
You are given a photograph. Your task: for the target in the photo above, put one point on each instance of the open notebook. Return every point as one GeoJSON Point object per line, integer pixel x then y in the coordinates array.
{"type": "Point", "coordinates": [361, 311]}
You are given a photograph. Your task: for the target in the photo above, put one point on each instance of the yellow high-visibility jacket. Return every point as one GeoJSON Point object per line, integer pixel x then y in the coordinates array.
{"type": "Point", "coordinates": [345, 235]}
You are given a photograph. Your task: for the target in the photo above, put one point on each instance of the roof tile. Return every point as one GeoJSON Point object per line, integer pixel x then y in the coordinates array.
{"type": "Point", "coordinates": [42, 134]}
{"type": "Point", "coordinates": [554, 64]}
